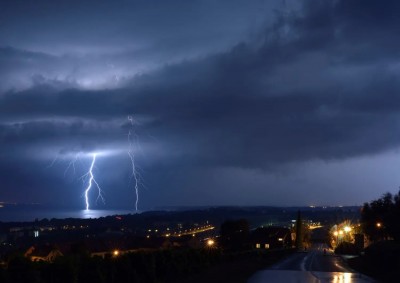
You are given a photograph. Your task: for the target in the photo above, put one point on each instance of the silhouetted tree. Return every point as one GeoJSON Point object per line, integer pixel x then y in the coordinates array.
{"type": "Point", "coordinates": [299, 231]}
{"type": "Point", "coordinates": [380, 218]}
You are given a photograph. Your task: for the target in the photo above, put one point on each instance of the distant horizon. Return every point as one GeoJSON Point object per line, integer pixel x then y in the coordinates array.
{"type": "Point", "coordinates": [26, 213]}
{"type": "Point", "coordinates": [54, 206]}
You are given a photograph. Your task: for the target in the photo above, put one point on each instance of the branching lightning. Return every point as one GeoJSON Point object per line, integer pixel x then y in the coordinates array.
{"type": "Point", "coordinates": [89, 180]}
{"type": "Point", "coordinates": [135, 175]}
{"type": "Point", "coordinates": [53, 162]}
{"type": "Point", "coordinates": [72, 164]}
{"type": "Point", "coordinates": [92, 180]}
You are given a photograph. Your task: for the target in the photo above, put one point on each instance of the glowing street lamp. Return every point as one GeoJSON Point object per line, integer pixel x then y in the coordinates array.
{"type": "Point", "coordinates": [210, 243]}
{"type": "Point", "coordinates": [347, 229]}
{"type": "Point", "coordinates": [336, 236]}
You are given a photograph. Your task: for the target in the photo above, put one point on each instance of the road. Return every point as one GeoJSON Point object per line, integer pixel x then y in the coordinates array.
{"type": "Point", "coordinates": [311, 266]}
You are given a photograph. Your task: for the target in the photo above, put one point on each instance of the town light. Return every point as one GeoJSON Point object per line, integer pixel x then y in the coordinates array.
{"type": "Point", "coordinates": [379, 225]}
{"type": "Point", "coordinates": [347, 229]}
{"type": "Point", "coordinates": [116, 253]}
{"type": "Point", "coordinates": [210, 242]}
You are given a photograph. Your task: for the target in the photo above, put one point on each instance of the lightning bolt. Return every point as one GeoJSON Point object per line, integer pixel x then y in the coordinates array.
{"type": "Point", "coordinates": [89, 178]}
{"type": "Point", "coordinates": [135, 175]}
{"type": "Point", "coordinates": [52, 163]}
{"type": "Point", "coordinates": [72, 164]}
{"type": "Point", "coordinates": [92, 180]}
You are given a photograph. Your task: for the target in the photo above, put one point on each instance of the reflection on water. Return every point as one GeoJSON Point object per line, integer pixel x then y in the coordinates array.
{"type": "Point", "coordinates": [294, 276]}
{"type": "Point", "coordinates": [341, 277]}
{"type": "Point", "coordinates": [102, 213]}
{"type": "Point", "coordinates": [15, 213]}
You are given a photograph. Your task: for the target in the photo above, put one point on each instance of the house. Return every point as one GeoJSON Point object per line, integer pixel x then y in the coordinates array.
{"type": "Point", "coordinates": [271, 238]}
{"type": "Point", "coordinates": [43, 253]}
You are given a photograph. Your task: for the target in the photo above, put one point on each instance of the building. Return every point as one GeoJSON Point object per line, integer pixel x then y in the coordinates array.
{"type": "Point", "coordinates": [271, 238]}
{"type": "Point", "coordinates": [43, 253]}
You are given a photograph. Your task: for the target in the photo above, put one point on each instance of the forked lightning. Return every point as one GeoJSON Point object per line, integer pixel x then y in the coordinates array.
{"type": "Point", "coordinates": [92, 180]}
{"type": "Point", "coordinates": [135, 175]}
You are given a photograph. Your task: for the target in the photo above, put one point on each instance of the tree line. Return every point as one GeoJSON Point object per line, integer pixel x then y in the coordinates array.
{"type": "Point", "coordinates": [380, 218]}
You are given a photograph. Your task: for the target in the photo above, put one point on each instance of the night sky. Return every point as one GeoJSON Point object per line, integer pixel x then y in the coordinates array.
{"type": "Point", "coordinates": [234, 102]}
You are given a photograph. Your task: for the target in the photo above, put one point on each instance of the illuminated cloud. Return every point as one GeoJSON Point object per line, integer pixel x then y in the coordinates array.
{"type": "Point", "coordinates": [222, 92]}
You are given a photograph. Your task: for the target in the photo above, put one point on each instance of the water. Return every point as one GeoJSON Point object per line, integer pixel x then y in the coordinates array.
{"type": "Point", "coordinates": [30, 213]}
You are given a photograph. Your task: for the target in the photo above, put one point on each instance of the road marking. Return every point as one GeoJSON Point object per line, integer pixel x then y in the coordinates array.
{"type": "Point", "coordinates": [303, 263]}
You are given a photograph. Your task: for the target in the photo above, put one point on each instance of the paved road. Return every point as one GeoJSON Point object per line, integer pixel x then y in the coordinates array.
{"type": "Point", "coordinates": [311, 266]}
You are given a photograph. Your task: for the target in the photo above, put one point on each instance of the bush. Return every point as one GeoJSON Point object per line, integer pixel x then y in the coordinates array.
{"type": "Point", "coordinates": [381, 261]}
{"type": "Point", "coordinates": [346, 248]}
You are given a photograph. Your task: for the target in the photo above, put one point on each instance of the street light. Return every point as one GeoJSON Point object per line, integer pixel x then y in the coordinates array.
{"type": "Point", "coordinates": [210, 242]}
{"type": "Point", "coordinates": [336, 235]}
{"type": "Point", "coordinates": [379, 227]}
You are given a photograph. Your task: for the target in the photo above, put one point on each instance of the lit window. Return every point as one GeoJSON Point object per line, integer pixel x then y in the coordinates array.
{"type": "Point", "coordinates": [267, 246]}
{"type": "Point", "coordinates": [258, 246]}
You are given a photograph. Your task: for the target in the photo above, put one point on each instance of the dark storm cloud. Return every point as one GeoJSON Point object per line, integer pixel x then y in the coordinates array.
{"type": "Point", "coordinates": [102, 42]}
{"type": "Point", "coordinates": [321, 82]}
{"type": "Point", "coordinates": [112, 25]}
{"type": "Point", "coordinates": [55, 131]}
{"type": "Point", "coordinates": [225, 110]}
